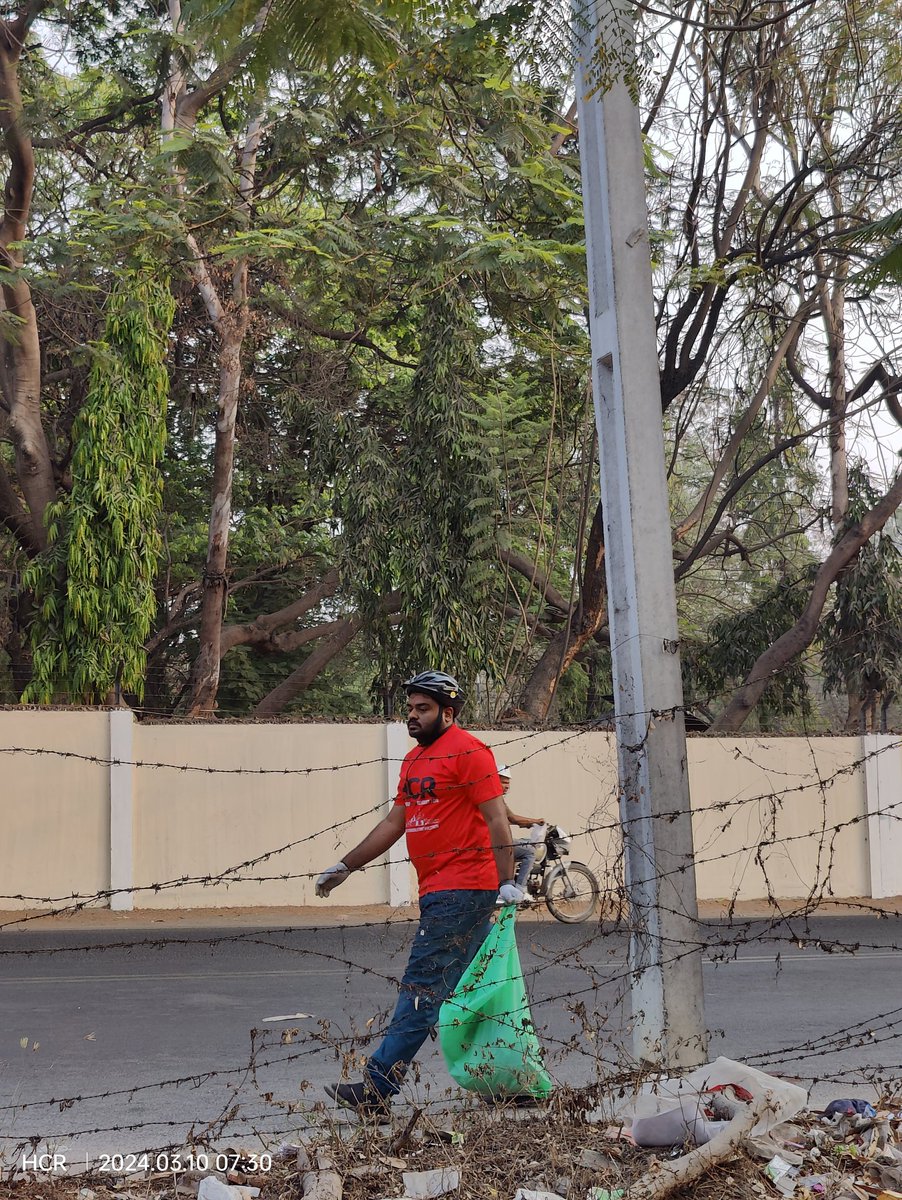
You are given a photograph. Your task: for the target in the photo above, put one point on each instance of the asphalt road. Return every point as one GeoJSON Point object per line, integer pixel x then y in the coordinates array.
{"type": "Point", "coordinates": [84, 1021]}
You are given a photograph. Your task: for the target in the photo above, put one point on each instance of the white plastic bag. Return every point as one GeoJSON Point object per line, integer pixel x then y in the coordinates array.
{"type": "Point", "coordinates": [665, 1094]}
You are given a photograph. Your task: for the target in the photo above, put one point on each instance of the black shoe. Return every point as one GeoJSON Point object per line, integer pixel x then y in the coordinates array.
{"type": "Point", "coordinates": [361, 1097]}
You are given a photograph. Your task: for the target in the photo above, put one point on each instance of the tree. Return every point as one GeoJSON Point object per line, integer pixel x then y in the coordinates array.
{"type": "Point", "coordinates": [93, 586]}
{"type": "Point", "coordinates": [861, 636]}
{"type": "Point", "coordinates": [21, 379]}
{"type": "Point", "coordinates": [788, 139]}
{"type": "Point", "coordinates": [379, 348]}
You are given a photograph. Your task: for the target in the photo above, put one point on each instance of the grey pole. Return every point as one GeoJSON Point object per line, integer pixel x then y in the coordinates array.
{"type": "Point", "coordinates": [667, 999]}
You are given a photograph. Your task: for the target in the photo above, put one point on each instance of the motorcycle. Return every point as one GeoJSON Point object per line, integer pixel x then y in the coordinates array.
{"type": "Point", "coordinates": [569, 889]}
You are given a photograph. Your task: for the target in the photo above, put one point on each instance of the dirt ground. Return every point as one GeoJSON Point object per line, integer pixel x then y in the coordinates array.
{"type": "Point", "coordinates": [494, 1152]}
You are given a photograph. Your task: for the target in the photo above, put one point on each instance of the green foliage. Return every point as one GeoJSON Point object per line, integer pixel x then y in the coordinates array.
{"type": "Point", "coordinates": [861, 637]}
{"type": "Point", "coordinates": [713, 668]}
{"type": "Point", "coordinates": [93, 587]}
{"type": "Point", "coordinates": [883, 241]}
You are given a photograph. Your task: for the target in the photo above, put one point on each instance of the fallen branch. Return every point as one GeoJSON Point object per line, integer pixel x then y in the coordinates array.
{"type": "Point", "coordinates": [661, 1179]}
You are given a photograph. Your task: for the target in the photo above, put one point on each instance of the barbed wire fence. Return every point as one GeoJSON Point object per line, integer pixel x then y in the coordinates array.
{"type": "Point", "coordinates": [579, 987]}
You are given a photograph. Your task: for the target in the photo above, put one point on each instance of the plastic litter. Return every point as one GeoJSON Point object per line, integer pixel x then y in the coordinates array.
{"type": "Point", "coordinates": [782, 1175]}
{"type": "Point", "coordinates": [485, 1026]}
{"type": "Point", "coordinates": [677, 1126]}
{"type": "Point", "coordinates": [817, 1184]}
{"type": "Point", "coordinates": [849, 1108]}
{"type": "Point", "coordinates": [211, 1188]}
{"type": "Point", "coordinates": [665, 1094]}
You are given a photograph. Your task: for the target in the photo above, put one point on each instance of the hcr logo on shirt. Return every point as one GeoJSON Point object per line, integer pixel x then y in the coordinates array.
{"type": "Point", "coordinates": [421, 790]}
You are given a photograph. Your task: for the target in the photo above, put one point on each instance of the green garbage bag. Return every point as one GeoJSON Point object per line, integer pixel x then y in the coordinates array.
{"type": "Point", "coordinates": [485, 1026]}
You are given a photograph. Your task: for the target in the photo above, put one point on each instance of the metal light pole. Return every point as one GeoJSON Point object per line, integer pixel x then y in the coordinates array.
{"type": "Point", "coordinates": [667, 999]}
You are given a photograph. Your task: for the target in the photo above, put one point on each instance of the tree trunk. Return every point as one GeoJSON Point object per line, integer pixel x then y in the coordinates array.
{"type": "Point", "coordinates": [853, 723]}
{"type": "Point", "coordinates": [800, 636]}
{"type": "Point", "coordinates": [342, 634]}
{"type": "Point", "coordinates": [33, 463]}
{"type": "Point", "coordinates": [230, 319]}
{"type": "Point", "coordinates": [537, 695]}
{"type": "Point", "coordinates": [205, 672]}
{"type": "Point", "coordinates": [318, 659]}
{"type": "Point", "coordinates": [833, 304]}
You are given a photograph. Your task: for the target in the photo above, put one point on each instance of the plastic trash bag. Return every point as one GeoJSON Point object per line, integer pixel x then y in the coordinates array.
{"type": "Point", "coordinates": [485, 1027]}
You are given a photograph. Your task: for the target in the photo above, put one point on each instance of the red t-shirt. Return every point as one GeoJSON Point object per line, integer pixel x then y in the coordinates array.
{"type": "Point", "coordinates": [441, 787]}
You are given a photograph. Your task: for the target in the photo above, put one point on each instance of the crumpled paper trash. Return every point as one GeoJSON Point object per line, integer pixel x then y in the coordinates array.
{"type": "Point", "coordinates": [211, 1188]}
{"type": "Point", "coordinates": [423, 1185]}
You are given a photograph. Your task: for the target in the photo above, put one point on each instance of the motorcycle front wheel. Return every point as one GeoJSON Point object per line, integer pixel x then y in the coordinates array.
{"type": "Point", "coordinates": [571, 893]}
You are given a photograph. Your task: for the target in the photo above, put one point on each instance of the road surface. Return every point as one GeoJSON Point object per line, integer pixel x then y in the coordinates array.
{"type": "Point", "coordinates": [107, 1048]}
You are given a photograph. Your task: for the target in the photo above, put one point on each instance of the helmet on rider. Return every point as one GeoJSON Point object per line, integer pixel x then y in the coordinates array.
{"type": "Point", "coordinates": [439, 686]}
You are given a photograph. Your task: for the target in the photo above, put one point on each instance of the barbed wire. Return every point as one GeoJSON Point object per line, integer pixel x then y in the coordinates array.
{"type": "Point", "coordinates": [846, 1037]}
{"type": "Point", "coordinates": [76, 902]}
{"type": "Point", "coordinates": [590, 1025]}
{"type": "Point", "coordinates": [196, 1079]}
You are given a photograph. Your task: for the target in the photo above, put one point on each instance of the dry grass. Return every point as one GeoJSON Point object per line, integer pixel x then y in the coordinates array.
{"type": "Point", "coordinates": [495, 1152]}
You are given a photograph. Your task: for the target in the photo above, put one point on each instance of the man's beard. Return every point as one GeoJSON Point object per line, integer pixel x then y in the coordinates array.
{"type": "Point", "coordinates": [427, 734]}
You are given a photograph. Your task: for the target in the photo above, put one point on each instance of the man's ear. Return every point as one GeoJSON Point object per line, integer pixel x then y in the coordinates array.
{"type": "Point", "coordinates": [448, 711]}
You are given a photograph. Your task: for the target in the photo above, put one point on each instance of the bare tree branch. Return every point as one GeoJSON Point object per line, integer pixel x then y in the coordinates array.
{"type": "Point", "coordinates": [260, 632]}
{"type": "Point", "coordinates": [356, 337]}
{"type": "Point", "coordinates": [191, 103]}
{"type": "Point", "coordinates": [533, 573]}
{"type": "Point", "coordinates": [342, 635]}
{"type": "Point", "coordinates": [729, 452]}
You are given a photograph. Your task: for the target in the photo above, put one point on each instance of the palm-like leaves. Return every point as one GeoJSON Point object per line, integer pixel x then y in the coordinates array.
{"type": "Point", "coordinates": [305, 34]}
{"type": "Point", "coordinates": [886, 236]}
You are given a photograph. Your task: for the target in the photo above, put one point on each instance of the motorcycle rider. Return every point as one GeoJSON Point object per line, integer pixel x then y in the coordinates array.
{"type": "Point", "coordinates": [525, 849]}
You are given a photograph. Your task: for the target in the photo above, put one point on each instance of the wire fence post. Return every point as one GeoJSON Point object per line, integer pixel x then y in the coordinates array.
{"type": "Point", "coordinates": [397, 743]}
{"type": "Point", "coordinates": [121, 777]}
{"type": "Point", "coordinates": [667, 996]}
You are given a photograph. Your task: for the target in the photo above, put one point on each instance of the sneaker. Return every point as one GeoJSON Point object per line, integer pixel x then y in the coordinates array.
{"type": "Point", "coordinates": [361, 1097]}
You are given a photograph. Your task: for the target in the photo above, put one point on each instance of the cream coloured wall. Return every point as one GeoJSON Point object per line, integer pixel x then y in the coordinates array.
{"type": "Point", "coordinates": [570, 779]}
{"type": "Point", "coordinates": [55, 810]}
{"type": "Point", "coordinates": [804, 801]}
{"type": "Point", "coordinates": [803, 851]}
{"type": "Point", "coordinates": [194, 824]}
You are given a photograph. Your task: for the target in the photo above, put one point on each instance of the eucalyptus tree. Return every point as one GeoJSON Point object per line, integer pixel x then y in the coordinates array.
{"type": "Point", "coordinates": [770, 139]}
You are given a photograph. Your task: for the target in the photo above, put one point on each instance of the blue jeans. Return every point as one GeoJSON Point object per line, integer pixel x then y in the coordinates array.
{"type": "Point", "coordinates": [524, 857]}
{"type": "Point", "coordinates": [453, 925]}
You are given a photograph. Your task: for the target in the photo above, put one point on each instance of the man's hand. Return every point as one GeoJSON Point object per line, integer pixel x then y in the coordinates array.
{"type": "Point", "coordinates": [509, 893]}
{"type": "Point", "coordinates": [331, 879]}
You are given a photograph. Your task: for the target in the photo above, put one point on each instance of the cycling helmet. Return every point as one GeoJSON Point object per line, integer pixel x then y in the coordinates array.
{"type": "Point", "coordinates": [442, 688]}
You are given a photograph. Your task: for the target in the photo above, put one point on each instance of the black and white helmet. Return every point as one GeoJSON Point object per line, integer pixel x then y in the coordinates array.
{"type": "Point", "coordinates": [441, 687]}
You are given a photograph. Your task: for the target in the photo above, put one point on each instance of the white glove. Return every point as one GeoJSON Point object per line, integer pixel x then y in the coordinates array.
{"type": "Point", "coordinates": [509, 893]}
{"type": "Point", "coordinates": [331, 879]}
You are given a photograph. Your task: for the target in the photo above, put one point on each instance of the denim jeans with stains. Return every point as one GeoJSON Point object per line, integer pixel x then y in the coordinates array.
{"type": "Point", "coordinates": [453, 925]}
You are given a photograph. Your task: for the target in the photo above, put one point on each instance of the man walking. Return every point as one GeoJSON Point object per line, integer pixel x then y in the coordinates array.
{"type": "Point", "coordinates": [450, 806]}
